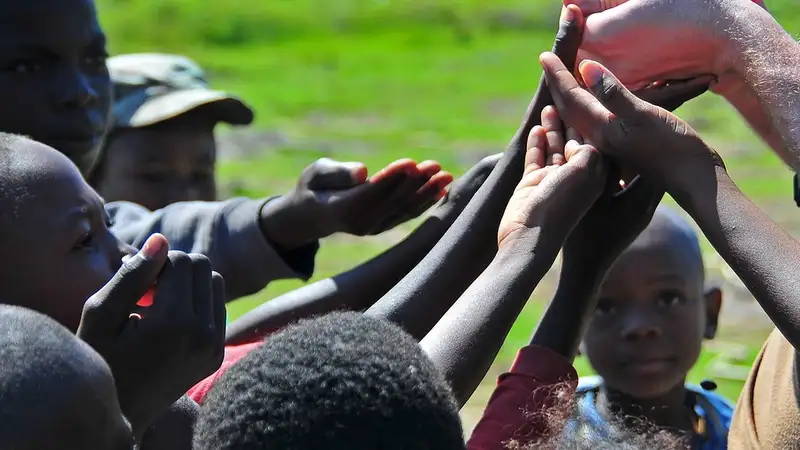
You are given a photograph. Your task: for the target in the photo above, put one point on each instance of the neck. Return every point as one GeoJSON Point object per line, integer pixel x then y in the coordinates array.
{"type": "Point", "coordinates": [665, 411]}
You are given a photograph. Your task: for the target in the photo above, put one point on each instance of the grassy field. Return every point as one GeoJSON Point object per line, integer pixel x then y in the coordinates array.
{"type": "Point", "coordinates": [375, 80]}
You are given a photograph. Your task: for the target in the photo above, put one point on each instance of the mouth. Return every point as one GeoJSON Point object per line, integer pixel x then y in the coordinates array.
{"type": "Point", "coordinates": [649, 366]}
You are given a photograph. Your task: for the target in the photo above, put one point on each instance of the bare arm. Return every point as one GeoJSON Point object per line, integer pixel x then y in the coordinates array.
{"type": "Point", "coordinates": [359, 288]}
{"type": "Point", "coordinates": [766, 86]}
{"type": "Point", "coordinates": [428, 291]}
{"type": "Point", "coordinates": [763, 255]}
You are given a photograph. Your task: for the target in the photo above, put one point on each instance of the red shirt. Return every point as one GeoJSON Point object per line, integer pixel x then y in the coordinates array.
{"type": "Point", "coordinates": [539, 385]}
{"type": "Point", "coordinates": [233, 354]}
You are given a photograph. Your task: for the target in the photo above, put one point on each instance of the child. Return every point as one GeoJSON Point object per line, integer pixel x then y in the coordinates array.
{"type": "Point", "coordinates": [57, 392]}
{"type": "Point", "coordinates": [343, 381]}
{"type": "Point", "coordinates": [652, 315]}
{"type": "Point", "coordinates": [161, 147]}
{"type": "Point", "coordinates": [56, 89]}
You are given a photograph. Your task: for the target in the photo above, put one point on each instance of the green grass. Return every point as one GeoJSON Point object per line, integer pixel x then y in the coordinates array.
{"type": "Point", "coordinates": [376, 80]}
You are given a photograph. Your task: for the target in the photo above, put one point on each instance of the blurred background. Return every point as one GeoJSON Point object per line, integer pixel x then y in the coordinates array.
{"type": "Point", "coordinates": [377, 80]}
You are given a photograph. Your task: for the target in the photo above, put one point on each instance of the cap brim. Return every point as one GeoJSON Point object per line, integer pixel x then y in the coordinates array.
{"type": "Point", "coordinates": [229, 109]}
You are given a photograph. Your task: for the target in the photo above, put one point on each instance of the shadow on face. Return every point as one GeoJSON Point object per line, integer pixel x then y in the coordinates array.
{"type": "Point", "coordinates": [53, 78]}
{"type": "Point", "coordinates": [652, 315]}
{"type": "Point", "coordinates": [57, 391]}
{"type": "Point", "coordinates": [57, 231]}
{"type": "Point", "coordinates": [159, 165]}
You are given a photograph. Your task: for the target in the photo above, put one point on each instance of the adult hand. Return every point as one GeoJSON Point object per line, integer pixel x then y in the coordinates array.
{"type": "Point", "coordinates": [626, 127]}
{"type": "Point", "coordinates": [559, 184]}
{"type": "Point", "coordinates": [333, 197]}
{"type": "Point", "coordinates": [643, 41]}
{"type": "Point", "coordinates": [157, 353]}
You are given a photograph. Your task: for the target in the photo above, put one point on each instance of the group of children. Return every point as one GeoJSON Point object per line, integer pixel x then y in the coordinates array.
{"type": "Point", "coordinates": [113, 326]}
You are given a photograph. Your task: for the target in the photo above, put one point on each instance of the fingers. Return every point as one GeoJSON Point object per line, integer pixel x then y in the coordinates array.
{"type": "Point", "coordinates": [202, 290]}
{"type": "Point", "coordinates": [609, 91]}
{"type": "Point", "coordinates": [110, 307]}
{"type": "Point", "coordinates": [220, 313]}
{"type": "Point", "coordinates": [175, 288]}
{"type": "Point", "coordinates": [674, 94]}
{"type": "Point", "coordinates": [535, 157]}
{"type": "Point", "coordinates": [327, 174]}
{"type": "Point", "coordinates": [569, 36]}
{"type": "Point", "coordinates": [594, 6]}
{"type": "Point", "coordinates": [399, 167]}
{"type": "Point", "coordinates": [577, 107]}
{"type": "Point", "coordinates": [551, 122]}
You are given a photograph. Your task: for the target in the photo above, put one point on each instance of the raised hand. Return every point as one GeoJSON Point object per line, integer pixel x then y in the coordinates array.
{"type": "Point", "coordinates": [560, 182]}
{"type": "Point", "coordinates": [336, 197]}
{"type": "Point", "coordinates": [626, 127]}
{"type": "Point", "coordinates": [157, 353]}
{"type": "Point", "coordinates": [651, 40]}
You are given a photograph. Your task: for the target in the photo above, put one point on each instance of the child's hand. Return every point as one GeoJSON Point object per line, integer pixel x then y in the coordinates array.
{"type": "Point", "coordinates": [157, 353]}
{"type": "Point", "coordinates": [648, 139]}
{"type": "Point", "coordinates": [559, 184]}
{"type": "Point", "coordinates": [334, 197]}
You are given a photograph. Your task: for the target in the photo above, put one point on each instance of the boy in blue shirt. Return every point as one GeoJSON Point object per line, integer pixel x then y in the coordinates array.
{"type": "Point", "coordinates": [652, 315]}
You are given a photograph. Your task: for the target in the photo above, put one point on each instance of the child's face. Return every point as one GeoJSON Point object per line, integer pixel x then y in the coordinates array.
{"type": "Point", "coordinates": [53, 78]}
{"type": "Point", "coordinates": [650, 320]}
{"type": "Point", "coordinates": [59, 250]}
{"type": "Point", "coordinates": [155, 167]}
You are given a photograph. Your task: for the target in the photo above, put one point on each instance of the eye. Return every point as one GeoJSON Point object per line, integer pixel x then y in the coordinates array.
{"type": "Point", "coordinates": [85, 242]}
{"type": "Point", "coordinates": [25, 66]}
{"type": "Point", "coordinates": [670, 299]}
{"type": "Point", "coordinates": [604, 307]}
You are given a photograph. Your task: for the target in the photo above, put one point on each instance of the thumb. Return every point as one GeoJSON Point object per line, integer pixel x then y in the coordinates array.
{"type": "Point", "coordinates": [112, 304]}
{"type": "Point", "coordinates": [608, 90]}
{"type": "Point", "coordinates": [329, 175]}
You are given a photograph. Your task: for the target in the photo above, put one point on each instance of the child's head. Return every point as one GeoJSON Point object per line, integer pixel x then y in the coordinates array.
{"type": "Point", "coordinates": [56, 391]}
{"type": "Point", "coordinates": [53, 231]}
{"type": "Point", "coordinates": [160, 148]}
{"type": "Point", "coordinates": [54, 82]}
{"type": "Point", "coordinates": [653, 311]}
{"type": "Point", "coordinates": [341, 381]}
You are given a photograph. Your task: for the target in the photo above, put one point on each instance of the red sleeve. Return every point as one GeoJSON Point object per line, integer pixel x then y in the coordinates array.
{"type": "Point", "coordinates": [233, 354]}
{"type": "Point", "coordinates": [539, 385]}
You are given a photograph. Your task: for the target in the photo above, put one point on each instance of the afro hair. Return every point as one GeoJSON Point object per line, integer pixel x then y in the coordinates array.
{"type": "Point", "coordinates": [342, 381]}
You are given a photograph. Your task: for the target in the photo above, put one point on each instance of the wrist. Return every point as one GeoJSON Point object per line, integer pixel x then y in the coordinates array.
{"type": "Point", "coordinates": [701, 201]}
{"type": "Point", "coordinates": [289, 222]}
{"type": "Point", "coordinates": [529, 243]}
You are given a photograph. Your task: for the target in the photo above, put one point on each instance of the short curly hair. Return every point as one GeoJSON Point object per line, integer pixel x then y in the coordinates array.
{"type": "Point", "coordinates": [342, 381]}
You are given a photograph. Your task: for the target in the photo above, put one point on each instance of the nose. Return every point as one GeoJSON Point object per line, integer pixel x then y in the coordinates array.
{"type": "Point", "coordinates": [77, 92]}
{"type": "Point", "coordinates": [640, 325]}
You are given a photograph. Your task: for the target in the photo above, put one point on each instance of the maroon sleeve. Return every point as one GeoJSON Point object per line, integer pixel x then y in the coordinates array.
{"type": "Point", "coordinates": [233, 354]}
{"type": "Point", "coordinates": [537, 389]}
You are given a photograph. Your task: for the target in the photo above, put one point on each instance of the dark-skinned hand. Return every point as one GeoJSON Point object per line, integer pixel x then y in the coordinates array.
{"type": "Point", "coordinates": [157, 353]}
{"type": "Point", "coordinates": [638, 135]}
{"type": "Point", "coordinates": [335, 197]}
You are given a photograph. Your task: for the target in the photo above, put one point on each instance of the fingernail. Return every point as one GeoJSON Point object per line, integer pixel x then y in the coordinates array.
{"type": "Point", "coordinates": [591, 72]}
{"type": "Point", "coordinates": [152, 246]}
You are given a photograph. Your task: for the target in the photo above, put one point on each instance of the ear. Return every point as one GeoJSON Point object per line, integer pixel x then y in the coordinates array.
{"type": "Point", "coordinates": [713, 297]}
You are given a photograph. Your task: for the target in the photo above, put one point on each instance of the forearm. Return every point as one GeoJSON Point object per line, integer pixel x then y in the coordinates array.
{"type": "Point", "coordinates": [563, 323]}
{"type": "Point", "coordinates": [767, 63]}
{"type": "Point", "coordinates": [466, 340]}
{"type": "Point", "coordinates": [354, 290]}
{"type": "Point", "coordinates": [420, 299]}
{"type": "Point", "coordinates": [763, 255]}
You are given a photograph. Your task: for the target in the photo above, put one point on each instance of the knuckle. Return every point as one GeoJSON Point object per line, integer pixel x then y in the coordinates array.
{"type": "Point", "coordinates": [178, 258]}
{"type": "Point", "coordinates": [200, 262]}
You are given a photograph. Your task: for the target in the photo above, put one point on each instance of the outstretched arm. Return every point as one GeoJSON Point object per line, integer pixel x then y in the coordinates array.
{"type": "Point", "coordinates": [359, 288]}
{"type": "Point", "coordinates": [428, 291]}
